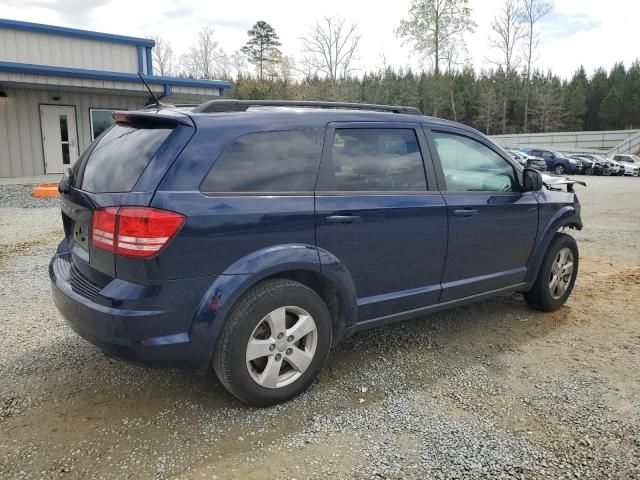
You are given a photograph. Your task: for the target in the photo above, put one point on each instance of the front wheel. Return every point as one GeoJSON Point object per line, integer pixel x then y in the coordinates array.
{"type": "Point", "coordinates": [588, 171]}
{"type": "Point", "coordinates": [557, 275]}
{"type": "Point", "coordinates": [274, 343]}
{"type": "Point", "coordinates": [558, 170]}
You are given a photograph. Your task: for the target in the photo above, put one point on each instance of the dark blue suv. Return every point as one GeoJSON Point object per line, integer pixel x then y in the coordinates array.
{"type": "Point", "coordinates": [252, 236]}
{"type": "Point", "coordinates": [556, 162]}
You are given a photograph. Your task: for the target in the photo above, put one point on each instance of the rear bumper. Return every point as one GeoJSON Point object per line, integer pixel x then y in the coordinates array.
{"type": "Point", "coordinates": [149, 325]}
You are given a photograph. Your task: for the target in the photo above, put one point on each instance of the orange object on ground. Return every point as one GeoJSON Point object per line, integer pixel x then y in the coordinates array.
{"type": "Point", "coordinates": [45, 190]}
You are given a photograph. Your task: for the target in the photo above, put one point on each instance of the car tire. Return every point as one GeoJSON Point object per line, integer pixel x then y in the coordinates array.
{"type": "Point", "coordinates": [263, 323]}
{"type": "Point", "coordinates": [588, 171]}
{"type": "Point", "coordinates": [558, 170]}
{"type": "Point", "coordinates": [551, 288]}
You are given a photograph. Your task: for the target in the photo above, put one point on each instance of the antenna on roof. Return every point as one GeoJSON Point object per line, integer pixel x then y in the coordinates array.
{"type": "Point", "coordinates": [159, 104]}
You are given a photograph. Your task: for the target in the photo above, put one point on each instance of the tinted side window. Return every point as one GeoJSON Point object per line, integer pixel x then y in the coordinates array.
{"type": "Point", "coordinates": [283, 161]}
{"type": "Point", "coordinates": [115, 161]}
{"type": "Point", "coordinates": [375, 159]}
{"type": "Point", "coordinates": [469, 165]}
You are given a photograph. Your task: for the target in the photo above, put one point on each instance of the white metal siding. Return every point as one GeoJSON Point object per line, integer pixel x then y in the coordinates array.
{"type": "Point", "coordinates": [604, 140]}
{"type": "Point", "coordinates": [60, 51]}
{"type": "Point", "coordinates": [20, 135]}
{"type": "Point", "coordinates": [54, 81]}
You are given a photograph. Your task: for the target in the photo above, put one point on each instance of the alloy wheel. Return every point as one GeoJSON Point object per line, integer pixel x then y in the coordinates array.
{"type": "Point", "coordinates": [281, 347]}
{"type": "Point", "coordinates": [561, 273]}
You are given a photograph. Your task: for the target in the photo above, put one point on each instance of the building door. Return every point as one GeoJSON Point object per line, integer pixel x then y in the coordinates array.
{"type": "Point", "coordinates": [59, 137]}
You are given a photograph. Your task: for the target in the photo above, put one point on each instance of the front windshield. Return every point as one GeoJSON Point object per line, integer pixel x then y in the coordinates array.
{"type": "Point", "coordinates": [560, 155]}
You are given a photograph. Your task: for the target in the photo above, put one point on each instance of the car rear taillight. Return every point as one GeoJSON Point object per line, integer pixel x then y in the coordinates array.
{"type": "Point", "coordinates": [103, 228]}
{"type": "Point", "coordinates": [134, 231]}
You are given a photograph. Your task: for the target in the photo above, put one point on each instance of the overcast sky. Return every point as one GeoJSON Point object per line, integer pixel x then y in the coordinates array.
{"type": "Point", "coordinates": [589, 32]}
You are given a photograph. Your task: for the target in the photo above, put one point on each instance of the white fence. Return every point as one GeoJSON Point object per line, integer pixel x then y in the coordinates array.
{"type": "Point", "coordinates": [609, 142]}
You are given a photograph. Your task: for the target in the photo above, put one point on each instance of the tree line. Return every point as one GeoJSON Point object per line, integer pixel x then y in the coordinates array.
{"type": "Point", "coordinates": [510, 96]}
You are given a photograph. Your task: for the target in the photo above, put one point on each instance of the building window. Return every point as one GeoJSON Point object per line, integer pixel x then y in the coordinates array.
{"type": "Point", "coordinates": [100, 120]}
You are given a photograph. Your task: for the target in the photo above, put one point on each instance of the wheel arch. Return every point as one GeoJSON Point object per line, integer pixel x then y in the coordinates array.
{"type": "Point", "coordinates": [566, 217]}
{"type": "Point", "coordinates": [298, 262]}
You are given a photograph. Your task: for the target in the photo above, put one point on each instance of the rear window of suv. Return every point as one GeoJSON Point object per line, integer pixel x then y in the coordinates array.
{"type": "Point", "coordinates": [116, 160]}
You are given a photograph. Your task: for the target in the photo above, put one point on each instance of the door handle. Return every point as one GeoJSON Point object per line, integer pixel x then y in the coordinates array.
{"type": "Point", "coordinates": [465, 212]}
{"type": "Point", "coordinates": [342, 219]}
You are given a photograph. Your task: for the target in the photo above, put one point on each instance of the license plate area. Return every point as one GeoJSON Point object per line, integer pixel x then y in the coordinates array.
{"type": "Point", "coordinates": [77, 224]}
{"type": "Point", "coordinates": [80, 235]}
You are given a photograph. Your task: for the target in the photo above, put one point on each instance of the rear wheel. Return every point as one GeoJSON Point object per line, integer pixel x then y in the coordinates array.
{"type": "Point", "coordinates": [274, 343]}
{"type": "Point", "coordinates": [588, 171]}
{"type": "Point", "coordinates": [558, 170]}
{"type": "Point", "coordinates": [557, 275]}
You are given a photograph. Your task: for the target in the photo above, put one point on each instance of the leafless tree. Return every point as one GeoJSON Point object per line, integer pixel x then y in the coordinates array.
{"type": "Point", "coordinates": [204, 58]}
{"type": "Point", "coordinates": [163, 58]}
{"type": "Point", "coordinates": [330, 47]}
{"type": "Point", "coordinates": [488, 107]}
{"type": "Point", "coordinates": [239, 63]}
{"type": "Point", "coordinates": [436, 28]}
{"type": "Point", "coordinates": [532, 11]}
{"type": "Point", "coordinates": [507, 30]}
{"type": "Point", "coordinates": [548, 106]}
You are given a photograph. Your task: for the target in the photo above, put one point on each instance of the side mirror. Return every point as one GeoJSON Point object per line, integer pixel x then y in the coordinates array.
{"type": "Point", "coordinates": [531, 180]}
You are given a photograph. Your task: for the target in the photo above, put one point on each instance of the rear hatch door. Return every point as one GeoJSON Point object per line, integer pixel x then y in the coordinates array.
{"type": "Point", "coordinates": [123, 166]}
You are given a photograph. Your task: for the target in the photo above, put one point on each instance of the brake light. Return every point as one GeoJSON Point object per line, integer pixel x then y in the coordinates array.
{"type": "Point", "coordinates": [134, 231]}
{"type": "Point", "coordinates": [103, 228]}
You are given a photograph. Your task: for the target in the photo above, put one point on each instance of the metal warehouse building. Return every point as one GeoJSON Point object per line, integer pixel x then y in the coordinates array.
{"type": "Point", "coordinates": [58, 87]}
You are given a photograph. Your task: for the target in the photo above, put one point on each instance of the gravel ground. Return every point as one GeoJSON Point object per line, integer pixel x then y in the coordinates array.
{"type": "Point", "coordinates": [19, 196]}
{"type": "Point", "coordinates": [493, 390]}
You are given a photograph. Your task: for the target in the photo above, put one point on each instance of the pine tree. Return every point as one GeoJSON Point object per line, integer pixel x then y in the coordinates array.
{"type": "Point", "coordinates": [575, 102]}
{"type": "Point", "coordinates": [262, 47]}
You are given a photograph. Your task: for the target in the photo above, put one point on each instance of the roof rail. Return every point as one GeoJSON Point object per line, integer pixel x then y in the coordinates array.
{"type": "Point", "coordinates": [242, 105]}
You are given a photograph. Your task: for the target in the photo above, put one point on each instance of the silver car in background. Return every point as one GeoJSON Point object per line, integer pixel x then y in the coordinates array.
{"type": "Point", "coordinates": [631, 164]}
{"type": "Point", "coordinates": [527, 160]}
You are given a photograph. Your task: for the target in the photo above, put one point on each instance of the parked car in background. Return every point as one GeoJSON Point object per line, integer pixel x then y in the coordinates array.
{"type": "Point", "coordinates": [605, 166]}
{"type": "Point", "coordinates": [589, 167]}
{"type": "Point", "coordinates": [631, 164]}
{"type": "Point", "coordinates": [617, 168]}
{"type": "Point", "coordinates": [527, 160]}
{"type": "Point", "coordinates": [592, 164]}
{"type": "Point", "coordinates": [555, 161]}
{"type": "Point", "coordinates": [185, 245]}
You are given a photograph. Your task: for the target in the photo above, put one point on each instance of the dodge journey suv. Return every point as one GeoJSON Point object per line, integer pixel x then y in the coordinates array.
{"type": "Point", "coordinates": [250, 237]}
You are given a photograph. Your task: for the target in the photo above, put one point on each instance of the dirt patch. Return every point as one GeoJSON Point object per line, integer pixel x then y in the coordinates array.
{"type": "Point", "coordinates": [9, 250]}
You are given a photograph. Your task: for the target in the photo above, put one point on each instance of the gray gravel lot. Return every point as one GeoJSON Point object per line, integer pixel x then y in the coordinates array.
{"type": "Point", "coordinates": [19, 196]}
{"type": "Point", "coordinates": [493, 390]}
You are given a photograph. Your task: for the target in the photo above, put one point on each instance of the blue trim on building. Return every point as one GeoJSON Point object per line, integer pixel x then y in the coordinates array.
{"type": "Point", "coordinates": [140, 60]}
{"type": "Point", "coordinates": [167, 91]}
{"type": "Point", "coordinates": [74, 32]}
{"type": "Point", "coordinates": [149, 61]}
{"type": "Point", "coordinates": [13, 67]}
